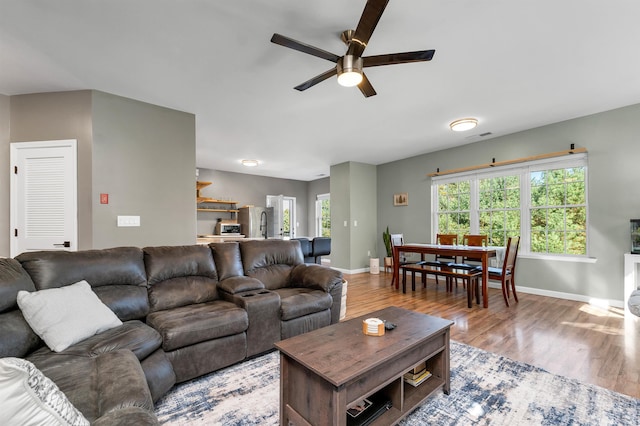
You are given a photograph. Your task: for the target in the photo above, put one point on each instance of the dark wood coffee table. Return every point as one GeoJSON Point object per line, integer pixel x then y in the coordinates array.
{"type": "Point", "coordinates": [326, 371]}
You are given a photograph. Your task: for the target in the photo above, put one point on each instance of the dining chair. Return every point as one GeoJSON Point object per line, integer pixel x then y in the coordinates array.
{"type": "Point", "coordinates": [398, 240]}
{"type": "Point", "coordinates": [446, 240]}
{"type": "Point", "coordinates": [506, 274]}
{"type": "Point", "coordinates": [474, 241]}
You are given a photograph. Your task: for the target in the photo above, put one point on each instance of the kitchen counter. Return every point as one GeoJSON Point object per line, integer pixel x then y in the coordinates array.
{"type": "Point", "coordinates": [206, 239]}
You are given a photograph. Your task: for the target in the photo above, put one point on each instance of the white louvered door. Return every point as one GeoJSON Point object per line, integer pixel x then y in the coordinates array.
{"type": "Point", "coordinates": [44, 196]}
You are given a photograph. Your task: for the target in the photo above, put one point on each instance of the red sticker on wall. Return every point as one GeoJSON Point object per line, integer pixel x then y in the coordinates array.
{"type": "Point", "coordinates": [104, 198]}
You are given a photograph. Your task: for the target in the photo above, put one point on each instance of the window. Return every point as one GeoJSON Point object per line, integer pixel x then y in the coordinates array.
{"type": "Point", "coordinates": [559, 211]}
{"type": "Point", "coordinates": [454, 202]}
{"type": "Point", "coordinates": [544, 202]}
{"type": "Point", "coordinates": [499, 208]}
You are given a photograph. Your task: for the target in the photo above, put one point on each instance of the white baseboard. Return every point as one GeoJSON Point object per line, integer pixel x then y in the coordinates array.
{"type": "Point", "coordinates": [566, 296]}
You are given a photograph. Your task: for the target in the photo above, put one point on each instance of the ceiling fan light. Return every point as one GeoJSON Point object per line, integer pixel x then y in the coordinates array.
{"type": "Point", "coordinates": [349, 71]}
{"type": "Point", "coordinates": [349, 79]}
{"type": "Point", "coordinates": [463, 124]}
{"type": "Point", "coordinates": [250, 163]}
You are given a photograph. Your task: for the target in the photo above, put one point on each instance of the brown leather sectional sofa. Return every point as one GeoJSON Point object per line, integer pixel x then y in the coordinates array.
{"type": "Point", "coordinates": [186, 311]}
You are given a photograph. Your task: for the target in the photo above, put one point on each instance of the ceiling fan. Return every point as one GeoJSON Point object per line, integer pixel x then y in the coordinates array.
{"type": "Point", "coordinates": [349, 67]}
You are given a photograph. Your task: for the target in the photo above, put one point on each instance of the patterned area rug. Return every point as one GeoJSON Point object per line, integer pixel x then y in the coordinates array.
{"type": "Point", "coordinates": [485, 389]}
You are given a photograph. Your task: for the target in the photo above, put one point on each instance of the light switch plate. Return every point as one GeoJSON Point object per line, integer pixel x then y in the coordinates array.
{"type": "Point", "coordinates": [128, 221]}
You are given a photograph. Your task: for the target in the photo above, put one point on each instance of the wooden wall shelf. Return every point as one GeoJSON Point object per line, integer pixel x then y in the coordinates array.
{"type": "Point", "coordinates": [508, 162]}
{"type": "Point", "coordinates": [206, 204]}
{"type": "Point", "coordinates": [218, 210]}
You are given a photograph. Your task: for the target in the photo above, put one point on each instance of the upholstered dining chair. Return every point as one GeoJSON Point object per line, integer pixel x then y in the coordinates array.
{"type": "Point", "coordinates": [506, 274]}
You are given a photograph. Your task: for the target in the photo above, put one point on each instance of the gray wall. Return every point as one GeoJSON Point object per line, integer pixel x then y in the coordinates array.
{"type": "Point", "coordinates": [340, 212]}
{"type": "Point", "coordinates": [251, 190]}
{"type": "Point", "coordinates": [611, 139]}
{"type": "Point", "coordinates": [141, 154]}
{"type": "Point", "coordinates": [144, 158]}
{"type": "Point", "coordinates": [4, 177]}
{"type": "Point", "coordinates": [54, 116]}
{"type": "Point", "coordinates": [353, 199]}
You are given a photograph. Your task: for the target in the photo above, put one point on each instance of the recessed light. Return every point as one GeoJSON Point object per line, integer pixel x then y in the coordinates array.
{"type": "Point", "coordinates": [250, 163]}
{"type": "Point", "coordinates": [463, 124]}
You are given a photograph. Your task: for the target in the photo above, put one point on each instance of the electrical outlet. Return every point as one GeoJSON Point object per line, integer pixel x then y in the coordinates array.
{"type": "Point", "coordinates": [128, 221]}
{"type": "Point", "coordinates": [369, 253]}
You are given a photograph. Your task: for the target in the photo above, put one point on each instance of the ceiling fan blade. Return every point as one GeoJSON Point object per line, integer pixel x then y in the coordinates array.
{"type": "Point", "coordinates": [304, 48]}
{"type": "Point", "coordinates": [317, 79]}
{"type": "Point", "coordinates": [398, 58]}
{"type": "Point", "coordinates": [368, 21]}
{"type": "Point", "coordinates": [365, 87]}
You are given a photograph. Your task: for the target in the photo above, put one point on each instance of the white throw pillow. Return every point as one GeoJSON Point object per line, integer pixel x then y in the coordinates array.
{"type": "Point", "coordinates": [66, 315]}
{"type": "Point", "coordinates": [30, 398]}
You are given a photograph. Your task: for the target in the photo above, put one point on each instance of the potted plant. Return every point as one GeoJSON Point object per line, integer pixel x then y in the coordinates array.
{"type": "Point", "coordinates": [386, 237]}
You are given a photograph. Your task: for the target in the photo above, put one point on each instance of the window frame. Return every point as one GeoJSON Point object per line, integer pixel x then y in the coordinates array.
{"type": "Point", "coordinates": [524, 170]}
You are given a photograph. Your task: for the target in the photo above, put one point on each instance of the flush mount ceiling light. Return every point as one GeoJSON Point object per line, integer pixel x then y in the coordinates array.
{"type": "Point", "coordinates": [463, 124]}
{"type": "Point", "coordinates": [349, 71]}
{"type": "Point", "coordinates": [250, 163]}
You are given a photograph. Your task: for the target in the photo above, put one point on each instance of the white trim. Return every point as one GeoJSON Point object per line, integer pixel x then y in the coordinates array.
{"type": "Point", "coordinates": [558, 257]}
{"type": "Point", "coordinates": [352, 271]}
{"type": "Point", "coordinates": [569, 296]}
{"type": "Point", "coordinates": [15, 148]}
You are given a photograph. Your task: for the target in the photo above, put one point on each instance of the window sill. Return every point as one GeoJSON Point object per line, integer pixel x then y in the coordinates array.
{"type": "Point", "coordinates": [576, 259]}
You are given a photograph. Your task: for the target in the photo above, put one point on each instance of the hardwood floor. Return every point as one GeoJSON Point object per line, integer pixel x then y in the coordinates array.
{"type": "Point", "coordinates": [574, 339]}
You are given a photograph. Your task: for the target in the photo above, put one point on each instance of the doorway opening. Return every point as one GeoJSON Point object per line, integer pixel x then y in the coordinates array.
{"type": "Point", "coordinates": [323, 215]}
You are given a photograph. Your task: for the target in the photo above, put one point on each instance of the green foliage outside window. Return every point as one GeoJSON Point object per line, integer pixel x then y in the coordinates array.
{"type": "Point", "coordinates": [454, 202]}
{"type": "Point", "coordinates": [326, 219]}
{"type": "Point", "coordinates": [558, 211]}
{"type": "Point", "coordinates": [499, 212]}
{"type": "Point", "coordinates": [286, 225]}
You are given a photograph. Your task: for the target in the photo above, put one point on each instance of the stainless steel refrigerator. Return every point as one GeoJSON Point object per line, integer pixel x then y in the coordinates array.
{"type": "Point", "coordinates": [257, 222]}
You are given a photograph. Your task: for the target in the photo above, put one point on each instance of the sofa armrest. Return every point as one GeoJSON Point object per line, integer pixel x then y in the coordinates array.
{"type": "Point", "coordinates": [316, 277]}
{"type": "Point", "coordinates": [239, 284]}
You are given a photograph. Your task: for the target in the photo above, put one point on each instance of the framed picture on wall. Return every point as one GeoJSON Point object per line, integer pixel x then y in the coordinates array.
{"type": "Point", "coordinates": [401, 199]}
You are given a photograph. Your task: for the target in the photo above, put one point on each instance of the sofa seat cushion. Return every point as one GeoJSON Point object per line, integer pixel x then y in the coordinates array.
{"type": "Point", "coordinates": [135, 336]}
{"type": "Point", "coordinates": [298, 302]}
{"type": "Point", "coordinates": [102, 384]}
{"type": "Point", "coordinates": [192, 324]}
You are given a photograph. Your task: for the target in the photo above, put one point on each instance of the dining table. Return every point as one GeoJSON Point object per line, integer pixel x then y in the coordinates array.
{"type": "Point", "coordinates": [480, 252]}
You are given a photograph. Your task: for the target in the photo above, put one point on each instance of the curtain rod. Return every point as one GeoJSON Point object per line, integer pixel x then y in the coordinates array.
{"type": "Point", "coordinates": [495, 163]}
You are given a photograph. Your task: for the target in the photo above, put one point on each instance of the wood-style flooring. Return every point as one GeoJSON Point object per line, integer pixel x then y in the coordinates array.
{"type": "Point", "coordinates": [574, 339]}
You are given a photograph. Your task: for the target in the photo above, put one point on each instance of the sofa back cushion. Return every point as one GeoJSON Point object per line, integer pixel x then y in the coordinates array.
{"type": "Point", "coordinates": [116, 275]}
{"type": "Point", "coordinates": [180, 276]}
{"type": "Point", "coordinates": [227, 258]}
{"type": "Point", "coordinates": [17, 339]}
{"type": "Point", "coordinates": [13, 278]}
{"type": "Point", "coordinates": [271, 261]}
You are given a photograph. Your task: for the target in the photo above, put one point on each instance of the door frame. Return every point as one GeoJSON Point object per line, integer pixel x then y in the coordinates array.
{"type": "Point", "coordinates": [14, 148]}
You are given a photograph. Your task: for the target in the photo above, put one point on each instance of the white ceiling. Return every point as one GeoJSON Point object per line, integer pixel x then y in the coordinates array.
{"type": "Point", "coordinates": [512, 64]}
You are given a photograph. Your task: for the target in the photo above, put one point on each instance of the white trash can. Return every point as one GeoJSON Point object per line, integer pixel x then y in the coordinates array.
{"type": "Point", "coordinates": [374, 265]}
